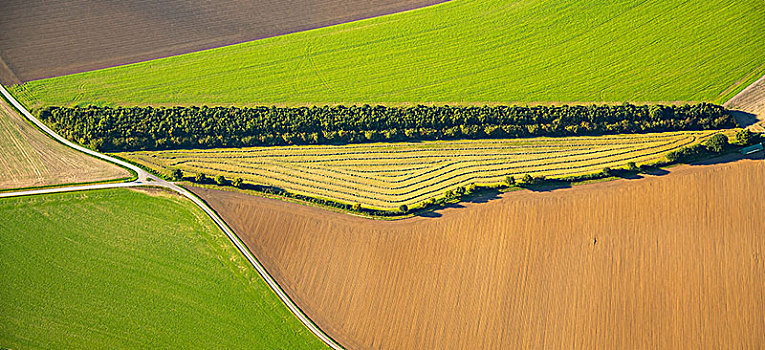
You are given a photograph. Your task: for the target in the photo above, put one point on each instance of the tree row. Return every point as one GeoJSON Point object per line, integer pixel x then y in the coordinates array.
{"type": "Point", "coordinates": [149, 128]}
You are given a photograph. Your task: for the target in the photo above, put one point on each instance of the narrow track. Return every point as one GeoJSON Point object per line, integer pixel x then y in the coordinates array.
{"type": "Point", "coordinates": [146, 179]}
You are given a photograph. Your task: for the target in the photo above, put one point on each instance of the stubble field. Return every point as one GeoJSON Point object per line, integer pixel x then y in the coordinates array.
{"type": "Point", "coordinates": [674, 261]}
{"type": "Point", "coordinates": [387, 175]}
{"type": "Point", "coordinates": [30, 158]}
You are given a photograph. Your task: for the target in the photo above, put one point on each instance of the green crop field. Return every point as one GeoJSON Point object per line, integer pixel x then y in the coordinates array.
{"type": "Point", "coordinates": [386, 175]}
{"type": "Point", "coordinates": [463, 51]}
{"type": "Point", "coordinates": [117, 269]}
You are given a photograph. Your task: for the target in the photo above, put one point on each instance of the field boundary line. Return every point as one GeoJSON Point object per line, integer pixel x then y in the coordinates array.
{"type": "Point", "coordinates": [750, 75]}
{"type": "Point", "coordinates": [146, 179]}
{"type": "Point", "coordinates": [126, 179]}
{"type": "Point", "coordinates": [100, 186]}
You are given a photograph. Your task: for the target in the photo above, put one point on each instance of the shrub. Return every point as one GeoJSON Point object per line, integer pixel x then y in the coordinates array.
{"type": "Point", "coordinates": [686, 153]}
{"type": "Point", "coordinates": [745, 137]}
{"type": "Point", "coordinates": [607, 172]}
{"type": "Point", "coordinates": [527, 179]}
{"type": "Point", "coordinates": [717, 143]}
{"type": "Point", "coordinates": [200, 178]}
{"type": "Point", "coordinates": [220, 180]}
{"type": "Point", "coordinates": [403, 208]}
{"type": "Point", "coordinates": [176, 174]}
{"type": "Point", "coordinates": [631, 166]}
{"type": "Point", "coordinates": [509, 181]}
{"type": "Point", "coordinates": [356, 207]}
{"type": "Point", "coordinates": [238, 182]}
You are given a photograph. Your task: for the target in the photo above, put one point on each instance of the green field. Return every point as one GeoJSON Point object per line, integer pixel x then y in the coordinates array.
{"type": "Point", "coordinates": [386, 175]}
{"type": "Point", "coordinates": [117, 269]}
{"type": "Point", "coordinates": [463, 51]}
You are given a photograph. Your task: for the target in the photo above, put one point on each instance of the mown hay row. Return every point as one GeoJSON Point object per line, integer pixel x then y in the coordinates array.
{"type": "Point", "coordinates": [376, 177]}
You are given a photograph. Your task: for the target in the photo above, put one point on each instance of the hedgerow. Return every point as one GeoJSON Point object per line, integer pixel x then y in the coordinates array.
{"type": "Point", "coordinates": [149, 128]}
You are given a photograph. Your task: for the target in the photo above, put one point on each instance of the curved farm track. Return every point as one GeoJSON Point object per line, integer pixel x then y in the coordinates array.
{"type": "Point", "coordinates": [45, 38]}
{"type": "Point", "coordinates": [679, 263]}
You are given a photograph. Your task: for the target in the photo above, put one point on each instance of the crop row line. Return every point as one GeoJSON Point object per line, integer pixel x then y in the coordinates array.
{"type": "Point", "coordinates": [435, 171]}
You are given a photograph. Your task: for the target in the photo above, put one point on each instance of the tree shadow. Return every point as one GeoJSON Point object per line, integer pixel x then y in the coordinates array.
{"type": "Point", "coordinates": [729, 158]}
{"type": "Point", "coordinates": [653, 171]}
{"type": "Point", "coordinates": [484, 196]}
{"type": "Point", "coordinates": [548, 185]}
{"type": "Point", "coordinates": [435, 212]}
{"type": "Point", "coordinates": [430, 214]}
{"type": "Point", "coordinates": [744, 119]}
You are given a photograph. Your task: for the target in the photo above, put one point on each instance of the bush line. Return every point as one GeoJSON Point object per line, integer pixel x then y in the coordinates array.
{"type": "Point", "coordinates": [149, 128]}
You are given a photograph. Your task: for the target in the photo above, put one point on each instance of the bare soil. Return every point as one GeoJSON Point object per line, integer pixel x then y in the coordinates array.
{"type": "Point", "coordinates": [44, 38]}
{"type": "Point", "coordinates": [30, 158]}
{"type": "Point", "coordinates": [668, 261]}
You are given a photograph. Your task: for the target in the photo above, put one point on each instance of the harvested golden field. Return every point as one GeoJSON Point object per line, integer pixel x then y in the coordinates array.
{"type": "Point", "coordinates": [30, 158]}
{"type": "Point", "coordinates": [672, 262]}
{"type": "Point", "coordinates": [386, 175]}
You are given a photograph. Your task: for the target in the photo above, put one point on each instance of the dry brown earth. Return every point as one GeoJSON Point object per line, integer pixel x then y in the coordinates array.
{"type": "Point", "coordinates": [30, 158]}
{"type": "Point", "coordinates": [679, 263]}
{"type": "Point", "coordinates": [44, 38]}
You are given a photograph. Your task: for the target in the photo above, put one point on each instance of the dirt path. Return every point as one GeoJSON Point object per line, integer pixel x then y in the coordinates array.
{"type": "Point", "coordinates": [671, 261]}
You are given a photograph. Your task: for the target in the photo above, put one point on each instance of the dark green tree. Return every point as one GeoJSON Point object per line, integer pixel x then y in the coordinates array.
{"type": "Point", "coordinates": [238, 182]}
{"type": "Point", "coordinates": [151, 128]}
{"type": "Point", "coordinates": [176, 175]}
{"type": "Point", "coordinates": [717, 143]}
{"type": "Point", "coordinates": [200, 178]}
{"type": "Point", "coordinates": [745, 137]}
{"type": "Point", "coordinates": [220, 180]}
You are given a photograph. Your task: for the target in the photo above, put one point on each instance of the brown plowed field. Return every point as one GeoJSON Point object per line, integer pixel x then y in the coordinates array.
{"type": "Point", "coordinates": [679, 263]}
{"type": "Point", "coordinates": [44, 38]}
